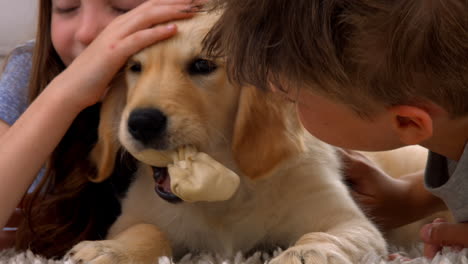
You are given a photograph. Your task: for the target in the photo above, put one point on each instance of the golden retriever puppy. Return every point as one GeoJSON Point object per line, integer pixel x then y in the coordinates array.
{"type": "Point", "coordinates": [290, 194]}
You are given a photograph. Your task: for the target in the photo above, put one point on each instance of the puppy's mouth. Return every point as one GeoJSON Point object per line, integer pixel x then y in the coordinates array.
{"type": "Point", "coordinates": [163, 185]}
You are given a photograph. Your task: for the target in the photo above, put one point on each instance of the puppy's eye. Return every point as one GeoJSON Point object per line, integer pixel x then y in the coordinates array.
{"type": "Point", "coordinates": [201, 67]}
{"type": "Point", "coordinates": [134, 66]}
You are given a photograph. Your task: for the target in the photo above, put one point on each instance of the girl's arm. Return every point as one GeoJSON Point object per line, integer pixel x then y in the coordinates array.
{"type": "Point", "coordinates": [26, 145]}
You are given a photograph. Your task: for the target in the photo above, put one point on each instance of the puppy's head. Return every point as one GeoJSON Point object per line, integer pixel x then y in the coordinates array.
{"type": "Point", "coordinates": [177, 96]}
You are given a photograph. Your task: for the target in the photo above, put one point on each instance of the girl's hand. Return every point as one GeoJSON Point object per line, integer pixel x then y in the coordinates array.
{"type": "Point", "coordinates": [91, 72]}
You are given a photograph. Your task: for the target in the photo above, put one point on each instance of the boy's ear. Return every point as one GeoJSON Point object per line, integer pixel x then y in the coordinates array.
{"type": "Point", "coordinates": [412, 124]}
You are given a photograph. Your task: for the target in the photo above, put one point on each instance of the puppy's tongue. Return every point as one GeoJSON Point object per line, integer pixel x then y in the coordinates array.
{"type": "Point", "coordinates": [163, 185]}
{"type": "Point", "coordinates": [162, 179]}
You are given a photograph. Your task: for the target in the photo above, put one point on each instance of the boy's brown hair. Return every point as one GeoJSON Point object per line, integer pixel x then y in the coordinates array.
{"type": "Point", "coordinates": [356, 51]}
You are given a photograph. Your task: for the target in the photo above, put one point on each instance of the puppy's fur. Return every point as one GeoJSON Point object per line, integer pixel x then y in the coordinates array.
{"type": "Point", "coordinates": [291, 194]}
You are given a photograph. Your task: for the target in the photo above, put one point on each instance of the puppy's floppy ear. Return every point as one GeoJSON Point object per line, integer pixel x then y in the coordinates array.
{"type": "Point", "coordinates": [104, 153]}
{"type": "Point", "coordinates": [266, 132]}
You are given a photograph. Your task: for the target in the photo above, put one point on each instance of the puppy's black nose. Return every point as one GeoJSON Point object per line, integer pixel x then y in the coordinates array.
{"type": "Point", "coordinates": [146, 124]}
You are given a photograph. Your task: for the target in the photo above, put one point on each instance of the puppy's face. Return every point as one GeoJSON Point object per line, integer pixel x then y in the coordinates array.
{"type": "Point", "coordinates": [177, 96]}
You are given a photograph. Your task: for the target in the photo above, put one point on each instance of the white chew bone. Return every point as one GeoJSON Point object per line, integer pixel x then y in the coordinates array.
{"type": "Point", "coordinates": [195, 176]}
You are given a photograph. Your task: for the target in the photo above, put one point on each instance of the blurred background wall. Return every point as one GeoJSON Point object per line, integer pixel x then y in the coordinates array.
{"type": "Point", "coordinates": [17, 23]}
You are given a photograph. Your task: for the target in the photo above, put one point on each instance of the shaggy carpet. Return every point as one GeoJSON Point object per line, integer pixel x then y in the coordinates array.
{"type": "Point", "coordinates": [447, 256]}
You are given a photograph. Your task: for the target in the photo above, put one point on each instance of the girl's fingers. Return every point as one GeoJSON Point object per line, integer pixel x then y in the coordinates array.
{"type": "Point", "coordinates": [147, 17]}
{"type": "Point", "coordinates": [169, 2]}
{"type": "Point", "coordinates": [124, 36]}
{"type": "Point", "coordinates": [154, 16]}
{"type": "Point", "coordinates": [114, 40]}
{"type": "Point", "coordinates": [154, 4]}
{"type": "Point", "coordinates": [144, 38]}
{"type": "Point", "coordinates": [181, 2]}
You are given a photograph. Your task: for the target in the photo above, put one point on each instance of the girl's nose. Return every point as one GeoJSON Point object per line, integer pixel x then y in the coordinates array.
{"type": "Point", "coordinates": [89, 28]}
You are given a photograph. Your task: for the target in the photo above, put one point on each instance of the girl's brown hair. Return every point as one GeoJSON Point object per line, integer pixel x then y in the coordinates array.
{"type": "Point", "coordinates": [356, 51]}
{"type": "Point", "coordinates": [66, 208]}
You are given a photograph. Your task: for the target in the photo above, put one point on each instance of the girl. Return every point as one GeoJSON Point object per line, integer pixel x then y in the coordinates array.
{"type": "Point", "coordinates": [78, 52]}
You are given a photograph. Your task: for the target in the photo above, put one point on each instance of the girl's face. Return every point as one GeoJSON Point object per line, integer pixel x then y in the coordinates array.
{"type": "Point", "coordinates": [76, 23]}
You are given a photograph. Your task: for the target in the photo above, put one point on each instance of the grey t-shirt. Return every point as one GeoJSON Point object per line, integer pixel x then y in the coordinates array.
{"type": "Point", "coordinates": [14, 83]}
{"type": "Point", "coordinates": [448, 180]}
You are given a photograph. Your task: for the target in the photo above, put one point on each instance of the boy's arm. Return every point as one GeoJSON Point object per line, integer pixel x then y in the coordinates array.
{"type": "Point", "coordinates": [422, 203]}
{"type": "Point", "coordinates": [390, 202]}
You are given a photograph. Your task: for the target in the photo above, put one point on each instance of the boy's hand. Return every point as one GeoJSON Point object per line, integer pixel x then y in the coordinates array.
{"type": "Point", "coordinates": [440, 233]}
{"type": "Point", "coordinates": [382, 197]}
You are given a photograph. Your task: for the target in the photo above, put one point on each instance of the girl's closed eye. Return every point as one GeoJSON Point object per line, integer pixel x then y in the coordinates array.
{"type": "Point", "coordinates": [120, 10]}
{"type": "Point", "coordinates": [123, 6]}
{"type": "Point", "coordinates": [65, 6]}
{"type": "Point", "coordinates": [65, 10]}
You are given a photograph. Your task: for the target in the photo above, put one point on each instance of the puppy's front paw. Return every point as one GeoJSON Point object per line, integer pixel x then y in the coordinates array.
{"type": "Point", "coordinates": [99, 252]}
{"type": "Point", "coordinates": [311, 254]}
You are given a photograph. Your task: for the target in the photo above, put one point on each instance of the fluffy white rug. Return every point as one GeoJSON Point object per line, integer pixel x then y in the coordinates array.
{"type": "Point", "coordinates": [446, 257]}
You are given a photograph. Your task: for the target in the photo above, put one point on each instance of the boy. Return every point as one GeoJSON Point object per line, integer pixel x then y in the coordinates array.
{"type": "Point", "coordinates": [368, 75]}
